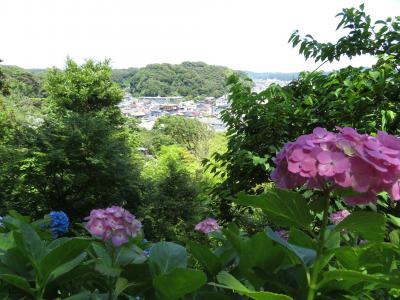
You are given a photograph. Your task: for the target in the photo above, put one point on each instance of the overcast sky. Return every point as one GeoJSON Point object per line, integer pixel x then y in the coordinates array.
{"type": "Point", "coordinates": [241, 34]}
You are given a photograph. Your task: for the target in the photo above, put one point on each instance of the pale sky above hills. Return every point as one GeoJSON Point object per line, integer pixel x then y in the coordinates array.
{"type": "Point", "coordinates": [241, 34]}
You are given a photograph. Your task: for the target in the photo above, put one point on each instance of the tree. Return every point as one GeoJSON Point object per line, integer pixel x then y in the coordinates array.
{"type": "Point", "coordinates": [190, 133]}
{"type": "Point", "coordinates": [189, 79]}
{"type": "Point", "coordinates": [4, 88]}
{"type": "Point", "coordinates": [170, 206]}
{"type": "Point", "coordinates": [86, 88]}
{"type": "Point", "coordinates": [81, 156]}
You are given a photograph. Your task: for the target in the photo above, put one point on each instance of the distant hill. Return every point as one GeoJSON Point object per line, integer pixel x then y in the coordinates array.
{"type": "Point", "coordinates": [24, 82]}
{"type": "Point", "coordinates": [273, 75]}
{"type": "Point", "coordinates": [189, 79]}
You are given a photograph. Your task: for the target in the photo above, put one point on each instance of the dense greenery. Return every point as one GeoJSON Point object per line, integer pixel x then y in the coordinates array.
{"type": "Point", "coordinates": [75, 152]}
{"type": "Point", "coordinates": [58, 164]}
{"type": "Point", "coordinates": [189, 79]}
{"type": "Point", "coordinates": [23, 82]}
{"type": "Point", "coordinates": [190, 133]}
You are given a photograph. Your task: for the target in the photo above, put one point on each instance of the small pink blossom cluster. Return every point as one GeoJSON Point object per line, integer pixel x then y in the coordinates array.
{"type": "Point", "coordinates": [347, 159]}
{"type": "Point", "coordinates": [339, 216]}
{"type": "Point", "coordinates": [113, 223]}
{"type": "Point", "coordinates": [207, 226]}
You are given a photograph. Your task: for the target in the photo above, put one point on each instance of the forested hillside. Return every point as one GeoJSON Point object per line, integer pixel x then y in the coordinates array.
{"type": "Point", "coordinates": [190, 79]}
{"type": "Point", "coordinates": [23, 82]}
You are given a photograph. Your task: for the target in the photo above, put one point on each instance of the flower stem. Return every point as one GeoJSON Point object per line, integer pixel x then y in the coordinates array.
{"type": "Point", "coordinates": [320, 248]}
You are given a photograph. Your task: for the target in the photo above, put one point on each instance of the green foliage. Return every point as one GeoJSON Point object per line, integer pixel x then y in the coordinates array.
{"type": "Point", "coordinates": [179, 283]}
{"type": "Point", "coordinates": [189, 133]}
{"type": "Point", "coordinates": [228, 281]}
{"type": "Point", "coordinates": [18, 81]}
{"type": "Point", "coordinates": [364, 37]}
{"type": "Point", "coordinates": [81, 155]}
{"type": "Point", "coordinates": [4, 88]}
{"type": "Point", "coordinates": [31, 264]}
{"type": "Point", "coordinates": [123, 76]}
{"type": "Point", "coordinates": [65, 169]}
{"type": "Point", "coordinates": [85, 88]}
{"type": "Point", "coordinates": [189, 79]}
{"type": "Point", "coordinates": [170, 207]}
{"type": "Point", "coordinates": [284, 208]}
{"type": "Point", "coordinates": [359, 222]}
{"type": "Point", "coordinates": [77, 156]}
{"type": "Point", "coordinates": [365, 99]}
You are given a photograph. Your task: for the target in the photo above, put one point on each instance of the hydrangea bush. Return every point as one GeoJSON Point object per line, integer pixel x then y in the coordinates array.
{"type": "Point", "coordinates": [315, 251]}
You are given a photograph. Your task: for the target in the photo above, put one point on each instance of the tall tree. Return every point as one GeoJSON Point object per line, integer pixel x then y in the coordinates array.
{"type": "Point", "coordinates": [81, 157]}
{"type": "Point", "coordinates": [190, 133]}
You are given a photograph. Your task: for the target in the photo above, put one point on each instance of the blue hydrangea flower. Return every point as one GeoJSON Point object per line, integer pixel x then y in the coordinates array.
{"type": "Point", "coordinates": [59, 223]}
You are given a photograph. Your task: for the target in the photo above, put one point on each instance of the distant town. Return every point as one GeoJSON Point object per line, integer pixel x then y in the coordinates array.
{"type": "Point", "coordinates": [208, 110]}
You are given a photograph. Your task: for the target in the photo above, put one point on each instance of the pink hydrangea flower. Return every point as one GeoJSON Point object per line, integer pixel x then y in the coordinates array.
{"type": "Point", "coordinates": [113, 223]}
{"type": "Point", "coordinates": [345, 159]}
{"type": "Point", "coordinates": [207, 226]}
{"type": "Point", "coordinates": [339, 216]}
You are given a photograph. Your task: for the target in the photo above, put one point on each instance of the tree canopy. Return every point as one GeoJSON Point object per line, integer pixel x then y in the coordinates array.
{"type": "Point", "coordinates": [189, 79]}
{"type": "Point", "coordinates": [83, 88]}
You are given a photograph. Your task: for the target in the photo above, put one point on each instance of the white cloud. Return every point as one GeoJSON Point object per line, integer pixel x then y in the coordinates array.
{"type": "Point", "coordinates": [241, 34]}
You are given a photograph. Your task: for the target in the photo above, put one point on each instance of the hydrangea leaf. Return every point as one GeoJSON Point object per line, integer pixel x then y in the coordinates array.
{"type": "Point", "coordinates": [369, 225]}
{"type": "Point", "coordinates": [178, 283]}
{"type": "Point", "coordinates": [283, 207]}
{"type": "Point", "coordinates": [167, 256]}
{"type": "Point", "coordinates": [306, 255]}
{"type": "Point", "coordinates": [227, 281]}
{"type": "Point", "coordinates": [205, 257]}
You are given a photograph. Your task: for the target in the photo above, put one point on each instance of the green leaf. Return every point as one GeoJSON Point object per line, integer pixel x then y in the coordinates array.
{"type": "Point", "coordinates": [283, 207]}
{"type": "Point", "coordinates": [167, 256]}
{"type": "Point", "coordinates": [33, 245]}
{"type": "Point", "coordinates": [178, 283]}
{"type": "Point", "coordinates": [332, 239]}
{"type": "Point", "coordinates": [258, 251]}
{"type": "Point", "coordinates": [205, 257]}
{"type": "Point", "coordinates": [104, 264]}
{"type": "Point", "coordinates": [81, 296]}
{"type": "Point", "coordinates": [18, 282]}
{"type": "Point", "coordinates": [370, 225]}
{"type": "Point", "coordinates": [121, 285]}
{"type": "Point", "coordinates": [299, 238]}
{"type": "Point", "coordinates": [66, 251]}
{"type": "Point", "coordinates": [6, 241]}
{"type": "Point", "coordinates": [130, 254]}
{"type": "Point", "coordinates": [383, 280]}
{"type": "Point", "coordinates": [394, 237]}
{"type": "Point", "coordinates": [227, 281]}
{"type": "Point", "coordinates": [349, 257]}
{"type": "Point", "coordinates": [394, 220]}
{"type": "Point", "coordinates": [68, 266]}
{"type": "Point", "coordinates": [306, 255]}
